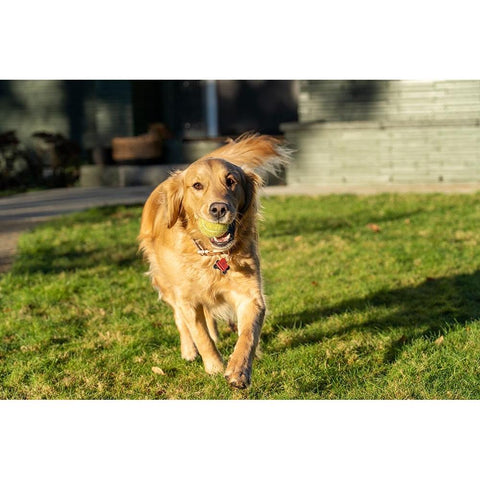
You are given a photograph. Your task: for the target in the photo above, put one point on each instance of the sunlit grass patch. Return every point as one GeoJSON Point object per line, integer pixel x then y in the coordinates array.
{"type": "Point", "coordinates": [368, 297]}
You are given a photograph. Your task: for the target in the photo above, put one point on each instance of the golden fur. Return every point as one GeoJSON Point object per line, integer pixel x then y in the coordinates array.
{"type": "Point", "coordinates": [219, 187]}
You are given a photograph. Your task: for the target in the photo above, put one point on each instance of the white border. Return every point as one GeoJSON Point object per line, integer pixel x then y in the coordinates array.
{"type": "Point", "coordinates": [238, 439]}
{"type": "Point", "coordinates": [215, 39]}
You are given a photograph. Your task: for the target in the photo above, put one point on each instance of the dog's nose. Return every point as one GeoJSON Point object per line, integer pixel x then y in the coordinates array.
{"type": "Point", "coordinates": [218, 210]}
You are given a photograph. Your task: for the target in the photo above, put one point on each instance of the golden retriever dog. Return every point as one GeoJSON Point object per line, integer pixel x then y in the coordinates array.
{"type": "Point", "coordinates": [198, 233]}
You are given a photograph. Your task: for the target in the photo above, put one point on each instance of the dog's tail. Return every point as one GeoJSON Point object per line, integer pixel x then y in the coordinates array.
{"type": "Point", "coordinates": [261, 154]}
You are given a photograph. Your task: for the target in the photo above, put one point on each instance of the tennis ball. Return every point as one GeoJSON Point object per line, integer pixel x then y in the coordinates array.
{"type": "Point", "coordinates": [212, 229]}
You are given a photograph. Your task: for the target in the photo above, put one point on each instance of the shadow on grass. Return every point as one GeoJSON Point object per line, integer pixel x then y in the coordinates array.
{"type": "Point", "coordinates": [49, 260]}
{"type": "Point", "coordinates": [73, 255]}
{"type": "Point", "coordinates": [316, 224]}
{"type": "Point", "coordinates": [424, 311]}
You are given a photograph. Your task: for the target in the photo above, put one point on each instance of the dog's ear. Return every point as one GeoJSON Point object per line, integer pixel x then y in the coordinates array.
{"type": "Point", "coordinates": [171, 195]}
{"type": "Point", "coordinates": [163, 205]}
{"type": "Point", "coordinates": [251, 183]}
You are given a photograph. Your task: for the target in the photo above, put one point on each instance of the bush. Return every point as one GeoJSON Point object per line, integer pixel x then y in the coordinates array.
{"type": "Point", "coordinates": [61, 155]}
{"type": "Point", "coordinates": [19, 168]}
{"type": "Point", "coordinates": [54, 161]}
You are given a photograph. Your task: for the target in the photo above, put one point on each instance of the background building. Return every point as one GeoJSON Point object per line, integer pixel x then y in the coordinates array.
{"type": "Point", "coordinates": [344, 131]}
{"type": "Point", "coordinates": [92, 112]}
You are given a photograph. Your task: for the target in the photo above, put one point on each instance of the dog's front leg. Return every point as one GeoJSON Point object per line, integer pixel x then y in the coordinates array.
{"type": "Point", "coordinates": [194, 319]}
{"type": "Point", "coordinates": [187, 346]}
{"type": "Point", "coordinates": [250, 314]}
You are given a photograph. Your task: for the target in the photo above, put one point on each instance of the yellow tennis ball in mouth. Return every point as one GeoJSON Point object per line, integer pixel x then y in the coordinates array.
{"type": "Point", "coordinates": [211, 229]}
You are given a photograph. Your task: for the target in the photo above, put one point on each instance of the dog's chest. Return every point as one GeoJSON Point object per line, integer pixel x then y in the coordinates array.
{"type": "Point", "coordinates": [219, 271]}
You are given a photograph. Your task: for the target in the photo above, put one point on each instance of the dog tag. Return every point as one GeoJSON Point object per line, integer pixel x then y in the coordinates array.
{"type": "Point", "coordinates": [222, 265]}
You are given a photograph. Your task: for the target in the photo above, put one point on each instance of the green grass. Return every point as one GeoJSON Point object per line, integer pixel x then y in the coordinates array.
{"type": "Point", "coordinates": [353, 313]}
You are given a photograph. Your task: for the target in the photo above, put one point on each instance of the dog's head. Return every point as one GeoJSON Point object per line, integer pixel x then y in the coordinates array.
{"type": "Point", "coordinates": [214, 199]}
{"type": "Point", "coordinates": [211, 192]}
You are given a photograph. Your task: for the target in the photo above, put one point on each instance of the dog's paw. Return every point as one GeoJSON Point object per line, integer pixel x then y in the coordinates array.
{"type": "Point", "coordinates": [189, 354]}
{"type": "Point", "coordinates": [238, 379]}
{"type": "Point", "coordinates": [214, 366]}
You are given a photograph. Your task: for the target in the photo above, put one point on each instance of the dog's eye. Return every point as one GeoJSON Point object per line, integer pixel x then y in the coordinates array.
{"type": "Point", "coordinates": [230, 182]}
{"type": "Point", "coordinates": [197, 186]}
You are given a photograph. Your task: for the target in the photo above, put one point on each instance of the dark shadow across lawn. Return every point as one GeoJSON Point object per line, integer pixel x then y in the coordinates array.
{"type": "Point", "coordinates": [54, 260]}
{"type": "Point", "coordinates": [72, 254]}
{"type": "Point", "coordinates": [424, 310]}
{"type": "Point", "coordinates": [315, 224]}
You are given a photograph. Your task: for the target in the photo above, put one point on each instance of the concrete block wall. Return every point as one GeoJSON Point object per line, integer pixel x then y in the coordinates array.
{"type": "Point", "coordinates": [387, 132]}
{"type": "Point", "coordinates": [125, 175]}
{"type": "Point", "coordinates": [388, 100]}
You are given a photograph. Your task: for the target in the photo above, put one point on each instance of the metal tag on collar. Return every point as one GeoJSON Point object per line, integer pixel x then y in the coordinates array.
{"type": "Point", "coordinates": [222, 265]}
{"type": "Point", "coordinates": [201, 250]}
{"type": "Point", "coordinates": [204, 251]}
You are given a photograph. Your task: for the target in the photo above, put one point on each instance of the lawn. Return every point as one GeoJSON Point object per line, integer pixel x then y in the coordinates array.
{"type": "Point", "coordinates": [370, 297]}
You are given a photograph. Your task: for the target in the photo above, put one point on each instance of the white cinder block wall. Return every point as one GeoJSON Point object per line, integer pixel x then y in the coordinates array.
{"type": "Point", "coordinates": [377, 132]}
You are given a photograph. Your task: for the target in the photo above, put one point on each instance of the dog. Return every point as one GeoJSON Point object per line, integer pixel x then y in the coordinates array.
{"type": "Point", "coordinates": [199, 236]}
